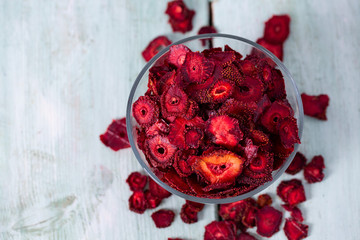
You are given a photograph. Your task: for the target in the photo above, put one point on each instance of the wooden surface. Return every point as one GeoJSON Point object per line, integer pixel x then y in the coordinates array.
{"type": "Point", "coordinates": [66, 69]}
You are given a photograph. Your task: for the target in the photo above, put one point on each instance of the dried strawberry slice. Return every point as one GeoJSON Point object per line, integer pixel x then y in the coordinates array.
{"type": "Point", "coordinates": [181, 164]}
{"type": "Point", "coordinates": [145, 111]}
{"type": "Point", "coordinates": [277, 29]}
{"type": "Point", "coordinates": [136, 181]}
{"type": "Point", "coordinates": [291, 192]}
{"type": "Point", "coordinates": [229, 49]}
{"type": "Point", "coordinates": [141, 138]}
{"type": "Point", "coordinates": [177, 54]}
{"type": "Point", "coordinates": [276, 49]}
{"type": "Point", "coordinates": [264, 200]}
{"type": "Point", "coordinates": [232, 73]}
{"type": "Point", "coordinates": [188, 214]}
{"type": "Point", "coordinates": [245, 236]}
{"type": "Point", "coordinates": [155, 46]}
{"type": "Point", "coordinates": [195, 205]}
{"type": "Point", "coordinates": [221, 90]}
{"type": "Point", "coordinates": [276, 88]}
{"type": "Point", "coordinates": [261, 163]}
{"type": "Point", "coordinates": [249, 90]}
{"type": "Point", "coordinates": [288, 131]}
{"type": "Point", "coordinates": [174, 102]}
{"type": "Point", "coordinates": [262, 105]}
{"type": "Point", "coordinates": [240, 110]}
{"type": "Point", "coordinates": [151, 200]}
{"type": "Point", "coordinates": [259, 138]}
{"type": "Point", "coordinates": [222, 58]}
{"type": "Point", "coordinates": [219, 167]}
{"type": "Point", "coordinates": [315, 106]}
{"type": "Point", "coordinates": [192, 110]}
{"type": "Point", "coordinates": [168, 79]}
{"type": "Point", "coordinates": [204, 30]}
{"type": "Point", "coordinates": [197, 68]}
{"type": "Point", "coordinates": [297, 164]}
{"type": "Point", "coordinates": [224, 230]}
{"type": "Point", "coordinates": [224, 131]}
{"type": "Point", "coordinates": [200, 92]}
{"type": "Point", "coordinates": [272, 116]}
{"type": "Point", "coordinates": [157, 191]}
{"type": "Point", "coordinates": [137, 202]}
{"type": "Point", "coordinates": [177, 133]}
{"type": "Point", "coordinates": [248, 67]}
{"type": "Point", "coordinates": [313, 171]}
{"type": "Point", "coordinates": [115, 136]}
{"type": "Point", "coordinates": [177, 10]}
{"type": "Point", "coordinates": [295, 230]}
{"type": "Point", "coordinates": [249, 216]}
{"type": "Point", "coordinates": [294, 211]}
{"type": "Point", "coordinates": [183, 26]}
{"type": "Point", "coordinates": [268, 220]}
{"type": "Point", "coordinates": [176, 182]}
{"type": "Point", "coordinates": [158, 128]}
{"type": "Point", "coordinates": [250, 150]}
{"type": "Point", "coordinates": [193, 137]}
{"type": "Point", "coordinates": [160, 151]}
{"type": "Point", "coordinates": [163, 218]}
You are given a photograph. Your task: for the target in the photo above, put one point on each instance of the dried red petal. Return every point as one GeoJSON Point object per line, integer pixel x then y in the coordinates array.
{"type": "Point", "coordinates": [297, 164]}
{"type": "Point", "coordinates": [155, 46]}
{"type": "Point", "coordinates": [264, 200]}
{"type": "Point", "coordinates": [268, 220]}
{"type": "Point", "coordinates": [271, 117]}
{"type": "Point", "coordinates": [249, 90]}
{"type": "Point", "coordinates": [174, 102]}
{"type": "Point", "coordinates": [277, 29]}
{"type": "Point", "coordinates": [137, 202]}
{"type": "Point", "coordinates": [294, 230]}
{"type": "Point", "coordinates": [315, 106]}
{"type": "Point", "coordinates": [195, 205]}
{"type": "Point", "coordinates": [288, 132]}
{"type": "Point", "coordinates": [188, 214]}
{"type": "Point", "coordinates": [313, 171]}
{"type": "Point", "coordinates": [115, 136]}
{"type": "Point", "coordinates": [145, 111]}
{"type": "Point", "coordinates": [160, 151]}
{"type": "Point", "coordinates": [177, 54]}
{"type": "Point", "coordinates": [204, 30]}
{"type": "Point", "coordinates": [294, 211]}
{"type": "Point", "coordinates": [245, 236]}
{"type": "Point", "coordinates": [157, 191]}
{"type": "Point", "coordinates": [224, 230]}
{"type": "Point", "coordinates": [221, 90]}
{"type": "Point", "coordinates": [224, 131]}
{"type": "Point", "coordinates": [136, 181]}
{"type": "Point", "coordinates": [163, 218]}
{"type": "Point", "coordinates": [151, 200]}
{"type": "Point", "coordinates": [276, 49]}
{"type": "Point", "coordinates": [291, 192]}
{"type": "Point", "coordinates": [197, 68]}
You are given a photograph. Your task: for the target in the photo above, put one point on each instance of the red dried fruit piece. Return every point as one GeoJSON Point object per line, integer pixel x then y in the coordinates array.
{"type": "Point", "coordinates": [116, 136]}
{"type": "Point", "coordinates": [155, 46]}
{"type": "Point", "coordinates": [196, 68]}
{"type": "Point", "coordinates": [276, 49]}
{"type": "Point", "coordinates": [295, 230]}
{"type": "Point", "coordinates": [140, 138]}
{"type": "Point", "coordinates": [167, 80]}
{"type": "Point", "coordinates": [221, 90]}
{"type": "Point", "coordinates": [262, 163]}
{"type": "Point", "coordinates": [268, 220]}
{"type": "Point", "coordinates": [272, 116]}
{"type": "Point", "coordinates": [250, 150]}
{"type": "Point", "coordinates": [174, 102]}
{"type": "Point", "coordinates": [245, 236]}
{"type": "Point", "coordinates": [288, 132]}
{"type": "Point", "coordinates": [262, 105]}
{"type": "Point", "coordinates": [277, 29]}
{"type": "Point", "coordinates": [259, 138]}
{"type": "Point", "coordinates": [195, 205]}
{"type": "Point", "coordinates": [151, 200]}
{"type": "Point", "coordinates": [177, 132]}
{"type": "Point", "coordinates": [176, 182]}
{"type": "Point", "coordinates": [200, 92]}
{"type": "Point", "coordinates": [224, 230]}
{"type": "Point", "coordinates": [137, 202]}
{"type": "Point", "coordinates": [136, 181]}
{"type": "Point", "coordinates": [145, 111]}
{"type": "Point", "coordinates": [294, 211]}
{"type": "Point", "coordinates": [163, 218]}
{"type": "Point", "coordinates": [160, 151]}
{"type": "Point", "coordinates": [219, 167]}
{"type": "Point", "coordinates": [249, 216]}
{"type": "Point", "coordinates": [224, 131]}
{"type": "Point", "coordinates": [157, 191]}
{"type": "Point", "coordinates": [239, 110]}
{"type": "Point", "coordinates": [182, 26]}
{"type": "Point", "coordinates": [237, 54]}
{"type": "Point", "coordinates": [192, 110]}
{"type": "Point", "coordinates": [177, 10]}
{"type": "Point", "coordinates": [175, 239]}
{"type": "Point", "coordinates": [315, 106]}
{"type": "Point", "coordinates": [232, 73]}
{"type": "Point", "coordinates": [248, 67]}
{"type": "Point", "coordinates": [249, 90]}
{"type": "Point", "coordinates": [313, 171]}
{"type": "Point", "coordinates": [276, 88]}
{"type": "Point", "coordinates": [193, 137]}
{"type": "Point", "coordinates": [158, 128]}
{"type": "Point", "coordinates": [204, 30]}
{"type": "Point", "coordinates": [188, 214]}
{"type": "Point", "coordinates": [182, 165]}
{"type": "Point", "coordinates": [221, 58]}
{"type": "Point", "coordinates": [291, 192]}
{"type": "Point", "coordinates": [264, 200]}
{"type": "Point", "coordinates": [177, 54]}
{"type": "Point", "coordinates": [297, 164]}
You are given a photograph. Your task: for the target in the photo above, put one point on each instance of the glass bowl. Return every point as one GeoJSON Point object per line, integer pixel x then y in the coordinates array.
{"type": "Point", "coordinates": [244, 47]}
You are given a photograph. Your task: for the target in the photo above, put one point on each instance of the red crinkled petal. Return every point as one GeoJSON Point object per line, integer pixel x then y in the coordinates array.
{"type": "Point", "coordinates": [163, 218]}
{"type": "Point", "coordinates": [204, 30]}
{"type": "Point", "coordinates": [115, 136]}
{"type": "Point", "coordinates": [174, 102]}
{"type": "Point", "coordinates": [268, 220]}
{"type": "Point", "coordinates": [155, 46]}
{"type": "Point", "coordinates": [145, 111]}
{"type": "Point", "coordinates": [315, 106]}
{"type": "Point", "coordinates": [294, 211]}
{"type": "Point", "coordinates": [137, 202]}
{"type": "Point", "coordinates": [276, 49]}
{"type": "Point", "coordinates": [264, 200]}
{"type": "Point", "coordinates": [271, 117]}
{"type": "Point", "coordinates": [295, 230]}
{"type": "Point", "coordinates": [313, 171]}
{"type": "Point", "coordinates": [177, 54]}
{"type": "Point", "coordinates": [291, 192]}
{"type": "Point", "coordinates": [297, 164]}
{"type": "Point", "coordinates": [188, 214]}
{"type": "Point", "coordinates": [136, 181]}
{"type": "Point", "coordinates": [157, 191]}
{"type": "Point", "coordinates": [249, 90]}
{"type": "Point", "coordinates": [151, 200]}
{"type": "Point", "coordinates": [224, 230]}
{"type": "Point", "coordinates": [196, 68]}
{"type": "Point", "coordinates": [288, 132]}
{"type": "Point", "coordinates": [245, 236]}
{"type": "Point", "coordinates": [177, 10]}
{"type": "Point", "coordinates": [277, 29]}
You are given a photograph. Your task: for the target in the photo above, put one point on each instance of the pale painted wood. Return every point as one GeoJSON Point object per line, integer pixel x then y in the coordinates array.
{"type": "Point", "coordinates": [66, 71]}
{"type": "Point", "coordinates": [322, 53]}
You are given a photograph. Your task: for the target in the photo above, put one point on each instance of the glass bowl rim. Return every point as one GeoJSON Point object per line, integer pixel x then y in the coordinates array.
{"type": "Point", "coordinates": [260, 188]}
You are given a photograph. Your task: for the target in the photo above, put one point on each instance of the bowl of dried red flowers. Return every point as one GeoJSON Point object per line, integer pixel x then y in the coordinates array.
{"type": "Point", "coordinates": [214, 124]}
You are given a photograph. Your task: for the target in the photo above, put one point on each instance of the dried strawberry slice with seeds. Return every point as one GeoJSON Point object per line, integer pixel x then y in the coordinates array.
{"type": "Point", "coordinates": [157, 191]}
{"type": "Point", "coordinates": [288, 132]}
{"type": "Point", "coordinates": [315, 106]}
{"type": "Point", "coordinates": [137, 181]}
{"type": "Point", "coordinates": [204, 30]}
{"type": "Point", "coordinates": [155, 46]}
{"type": "Point", "coordinates": [116, 136]}
{"type": "Point", "coordinates": [297, 164]}
{"type": "Point", "coordinates": [313, 171]}
{"type": "Point", "coordinates": [177, 10]}
{"type": "Point", "coordinates": [268, 220]}
{"type": "Point", "coordinates": [248, 67]}
{"type": "Point", "coordinates": [195, 205]}
{"type": "Point", "coordinates": [192, 110]}
{"type": "Point", "coordinates": [158, 128]}
{"type": "Point", "coordinates": [177, 132]}
{"type": "Point", "coordinates": [294, 211]}
{"type": "Point", "coordinates": [163, 218]}
{"type": "Point", "coordinates": [262, 105]}
{"type": "Point", "coordinates": [249, 90]}
{"type": "Point", "coordinates": [276, 49]}
{"type": "Point", "coordinates": [264, 200]}
{"type": "Point", "coordinates": [245, 236]}
{"type": "Point", "coordinates": [197, 68]}
{"type": "Point", "coordinates": [177, 54]}
{"type": "Point", "coordinates": [183, 26]}
{"type": "Point", "coordinates": [249, 216]}
{"type": "Point", "coordinates": [243, 111]}
{"type": "Point", "coordinates": [261, 163]}
{"type": "Point", "coordinates": [295, 230]}
{"type": "Point", "coordinates": [233, 211]}
{"type": "Point", "coordinates": [137, 202]}
{"type": "Point", "coordinates": [222, 58]}
{"type": "Point", "coordinates": [176, 182]}
{"type": "Point", "coordinates": [182, 165]}
{"type": "Point", "coordinates": [151, 200]}
{"type": "Point", "coordinates": [188, 214]}
{"type": "Point", "coordinates": [250, 150]}
{"type": "Point", "coordinates": [161, 151]}
{"type": "Point", "coordinates": [232, 73]}
{"type": "Point", "coordinates": [221, 90]}
{"type": "Point", "coordinates": [219, 167]}
{"type": "Point", "coordinates": [277, 29]}
{"type": "Point", "coordinates": [276, 88]}
{"type": "Point", "coordinates": [259, 138]}
{"type": "Point", "coordinates": [272, 116]}
{"type": "Point", "coordinates": [224, 230]}
{"type": "Point", "coordinates": [145, 111]}
{"type": "Point", "coordinates": [291, 192]}
{"type": "Point", "coordinates": [174, 102]}
{"type": "Point", "coordinates": [193, 137]}
{"type": "Point", "coordinates": [224, 131]}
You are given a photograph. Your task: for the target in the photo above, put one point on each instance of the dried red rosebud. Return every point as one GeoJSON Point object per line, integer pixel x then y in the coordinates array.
{"type": "Point", "coordinates": [264, 200]}
{"type": "Point", "coordinates": [163, 218]}
{"type": "Point", "coordinates": [268, 220]}
{"type": "Point", "coordinates": [155, 46]}
{"type": "Point", "coordinates": [115, 136]}
{"type": "Point", "coordinates": [224, 230]}
{"type": "Point", "coordinates": [315, 106]}
{"type": "Point", "coordinates": [136, 181]}
{"type": "Point", "coordinates": [313, 171]}
{"type": "Point", "coordinates": [291, 192]}
{"type": "Point", "coordinates": [294, 230]}
{"type": "Point", "coordinates": [137, 202]}
{"type": "Point", "coordinates": [297, 164]}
